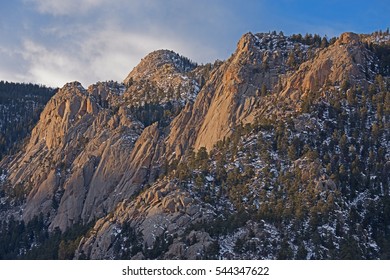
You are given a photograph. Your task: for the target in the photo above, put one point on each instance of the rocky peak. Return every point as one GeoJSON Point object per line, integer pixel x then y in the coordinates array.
{"type": "Point", "coordinates": [161, 62]}
{"type": "Point", "coordinates": [270, 42]}
{"type": "Point", "coordinates": [70, 105]}
{"type": "Point", "coordinates": [341, 62]}
{"type": "Point", "coordinates": [164, 77]}
{"type": "Point", "coordinates": [348, 38]}
{"type": "Point", "coordinates": [246, 42]}
{"type": "Point", "coordinates": [73, 85]}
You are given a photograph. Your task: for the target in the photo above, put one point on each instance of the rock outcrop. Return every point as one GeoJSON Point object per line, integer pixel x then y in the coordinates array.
{"type": "Point", "coordinates": [76, 156]}
{"type": "Point", "coordinates": [230, 96]}
{"type": "Point", "coordinates": [160, 64]}
{"type": "Point", "coordinates": [162, 210]}
{"type": "Point", "coordinates": [163, 76]}
{"type": "Point", "coordinates": [334, 65]}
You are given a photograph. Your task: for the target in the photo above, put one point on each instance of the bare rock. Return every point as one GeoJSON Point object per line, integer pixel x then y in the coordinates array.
{"type": "Point", "coordinates": [348, 38]}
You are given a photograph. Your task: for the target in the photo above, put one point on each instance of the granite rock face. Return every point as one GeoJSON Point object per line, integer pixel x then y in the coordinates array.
{"type": "Point", "coordinates": [77, 154]}
{"type": "Point", "coordinates": [343, 61]}
{"type": "Point", "coordinates": [231, 95]}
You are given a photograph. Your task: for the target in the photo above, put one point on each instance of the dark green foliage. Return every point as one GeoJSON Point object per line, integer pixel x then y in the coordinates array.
{"type": "Point", "coordinates": [291, 61]}
{"type": "Point", "coordinates": [350, 249]}
{"type": "Point", "coordinates": [301, 253]}
{"type": "Point", "coordinates": [382, 51]}
{"type": "Point", "coordinates": [159, 247]}
{"type": "Point", "coordinates": [212, 251]}
{"type": "Point", "coordinates": [34, 241]}
{"type": "Point", "coordinates": [285, 252]}
{"type": "Point", "coordinates": [128, 242]}
{"type": "Point", "coordinates": [311, 40]}
{"type": "Point", "coordinates": [223, 225]}
{"type": "Point", "coordinates": [20, 107]}
{"type": "Point", "coordinates": [154, 112]}
{"type": "Point", "coordinates": [17, 237]}
{"type": "Point", "coordinates": [17, 193]}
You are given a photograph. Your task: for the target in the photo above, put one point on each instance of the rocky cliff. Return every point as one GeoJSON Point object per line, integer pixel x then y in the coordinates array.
{"type": "Point", "coordinates": [232, 93]}
{"type": "Point", "coordinates": [343, 61]}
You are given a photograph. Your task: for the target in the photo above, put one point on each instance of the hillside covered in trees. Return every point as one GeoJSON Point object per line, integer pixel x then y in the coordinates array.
{"type": "Point", "coordinates": [20, 107]}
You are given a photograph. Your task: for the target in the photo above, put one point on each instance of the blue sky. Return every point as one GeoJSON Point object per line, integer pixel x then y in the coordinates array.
{"type": "Point", "coordinates": [52, 42]}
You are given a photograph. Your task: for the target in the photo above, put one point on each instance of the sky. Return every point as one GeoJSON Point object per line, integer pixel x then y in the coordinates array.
{"type": "Point", "coordinates": [52, 42]}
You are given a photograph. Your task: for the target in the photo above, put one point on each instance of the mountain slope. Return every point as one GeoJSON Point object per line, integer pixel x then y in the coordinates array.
{"type": "Point", "coordinates": [280, 152]}
{"type": "Point", "coordinates": [84, 155]}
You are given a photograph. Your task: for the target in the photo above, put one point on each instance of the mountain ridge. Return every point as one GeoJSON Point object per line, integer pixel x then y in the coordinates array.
{"type": "Point", "coordinates": [167, 156]}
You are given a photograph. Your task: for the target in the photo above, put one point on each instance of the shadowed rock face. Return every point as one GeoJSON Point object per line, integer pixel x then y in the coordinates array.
{"type": "Point", "coordinates": [164, 208]}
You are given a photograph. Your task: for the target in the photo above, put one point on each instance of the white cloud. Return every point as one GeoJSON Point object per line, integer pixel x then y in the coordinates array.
{"type": "Point", "coordinates": [92, 40]}
{"type": "Point", "coordinates": [51, 67]}
{"type": "Point", "coordinates": [106, 54]}
{"type": "Point", "coordinates": [116, 51]}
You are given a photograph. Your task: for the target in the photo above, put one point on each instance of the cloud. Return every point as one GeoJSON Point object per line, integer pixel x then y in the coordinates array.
{"type": "Point", "coordinates": [92, 40]}
{"type": "Point", "coordinates": [107, 43]}
{"type": "Point", "coordinates": [51, 67]}
{"type": "Point", "coordinates": [10, 66]}
{"type": "Point", "coordinates": [135, 45]}
{"type": "Point", "coordinates": [107, 53]}
{"type": "Point", "coordinates": [112, 53]}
